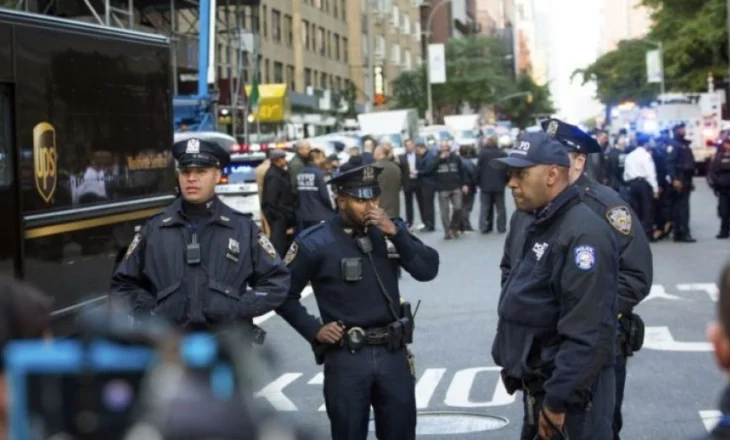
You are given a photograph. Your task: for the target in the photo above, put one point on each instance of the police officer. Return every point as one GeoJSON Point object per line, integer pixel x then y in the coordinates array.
{"type": "Point", "coordinates": [680, 170]}
{"type": "Point", "coordinates": [635, 257]}
{"type": "Point", "coordinates": [192, 264]}
{"type": "Point", "coordinates": [718, 177]}
{"type": "Point", "coordinates": [315, 204]}
{"type": "Point", "coordinates": [557, 310]}
{"type": "Point", "coordinates": [352, 261]}
{"type": "Point", "coordinates": [662, 211]}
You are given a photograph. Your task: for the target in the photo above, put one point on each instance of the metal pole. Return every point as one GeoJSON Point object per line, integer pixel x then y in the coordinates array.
{"type": "Point", "coordinates": [229, 58]}
{"type": "Point", "coordinates": [661, 60]}
{"type": "Point", "coordinates": [429, 21]}
{"type": "Point", "coordinates": [370, 88]}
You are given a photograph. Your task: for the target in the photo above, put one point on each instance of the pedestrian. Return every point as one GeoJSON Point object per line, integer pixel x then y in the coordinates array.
{"type": "Point", "coordinates": [314, 204]}
{"type": "Point", "coordinates": [556, 341]}
{"type": "Point", "coordinates": [635, 260]}
{"type": "Point", "coordinates": [492, 183]}
{"type": "Point", "coordinates": [467, 153]}
{"type": "Point", "coordinates": [427, 182]}
{"type": "Point", "coordinates": [352, 262]}
{"type": "Point", "coordinates": [297, 162]}
{"type": "Point", "coordinates": [279, 201]}
{"type": "Point", "coordinates": [662, 211]}
{"type": "Point", "coordinates": [718, 332]}
{"type": "Point", "coordinates": [641, 183]}
{"type": "Point", "coordinates": [389, 180]}
{"type": "Point", "coordinates": [192, 263]}
{"type": "Point", "coordinates": [408, 163]}
{"type": "Point", "coordinates": [680, 169]}
{"type": "Point", "coordinates": [718, 176]}
{"type": "Point", "coordinates": [451, 186]}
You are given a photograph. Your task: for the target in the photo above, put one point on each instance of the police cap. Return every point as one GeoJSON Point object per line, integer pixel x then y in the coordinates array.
{"type": "Point", "coordinates": [360, 182]}
{"type": "Point", "coordinates": [678, 126]}
{"type": "Point", "coordinates": [571, 136]}
{"type": "Point", "coordinates": [199, 153]}
{"type": "Point", "coordinates": [276, 154]}
{"type": "Point", "coordinates": [532, 149]}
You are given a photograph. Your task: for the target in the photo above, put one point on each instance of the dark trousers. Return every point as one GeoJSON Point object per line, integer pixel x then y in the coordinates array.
{"type": "Point", "coordinates": [594, 423]}
{"type": "Point", "coordinates": [467, 205]}
{"type": "Point", "coordinates": [372, 376]}
{"type": "Point", "coordinates": [680, 211]}
{"type": "Point", "coordinates": [410, 191]}
{"type": "Point", "coordinates": [641, 200]}
{"type": "Point", "coordinates": [428, 209]}
{"type": "Point", "coordinates": [662, 208]}
{"type": "Point", "coordinates": [620, 371]}
{"type": "Point", "coordinates": [488, 201]}
{"type": "Point", "coordinates": [278, 236]}
{"type": "Point", "coordinates": [723, 209]}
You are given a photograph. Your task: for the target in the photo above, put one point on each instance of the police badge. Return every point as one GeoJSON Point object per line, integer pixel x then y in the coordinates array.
{"type": "Point", "coordinates": [133, 245]}
{"type": "Point", "coordinates": [193, 147]}
{"type": "Point", "coordinates": [291, 254]}
{"type": "Point", "coordinates": [552, 128]}
{"type": "Point", "coordinates": [266, 245]}
{"type": "Point", "coordinates": [620, 218]}
{"type": "Point", "coordinates": [368, 174]}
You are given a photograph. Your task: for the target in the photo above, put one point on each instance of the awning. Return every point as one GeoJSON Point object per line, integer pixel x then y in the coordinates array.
{"type": "Point", "coordinates": [273, 103]}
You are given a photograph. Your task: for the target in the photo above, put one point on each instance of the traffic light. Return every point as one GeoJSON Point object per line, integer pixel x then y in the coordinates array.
{"type": "Point", "coordinates": [529, 98]}
{"type": "Point", "coordinates": [379, 99]}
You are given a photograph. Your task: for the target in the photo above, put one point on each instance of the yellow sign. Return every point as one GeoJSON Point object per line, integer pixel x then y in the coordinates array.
{"type": "Point", "coordinates": [147, 162]}
{"type": "Point", "coordinates": [44, 158]}
{"type": "Point", "coordinates": [273, 102]}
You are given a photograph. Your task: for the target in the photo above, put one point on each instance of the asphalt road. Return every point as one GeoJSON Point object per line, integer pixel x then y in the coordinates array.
{"type": "Point", "coordinates": [672, 382]}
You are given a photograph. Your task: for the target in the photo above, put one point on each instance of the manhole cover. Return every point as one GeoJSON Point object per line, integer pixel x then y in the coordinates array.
{"type": "Point", "coordinates": [444, 422]}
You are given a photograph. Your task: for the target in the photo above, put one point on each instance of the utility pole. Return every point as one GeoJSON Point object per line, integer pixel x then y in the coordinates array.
{"type": "Point", "coordinates": [370, 87]}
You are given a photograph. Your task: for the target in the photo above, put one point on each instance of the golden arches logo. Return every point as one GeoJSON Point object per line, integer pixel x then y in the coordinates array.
{"type": "Point", "coordinates": [44, 160]}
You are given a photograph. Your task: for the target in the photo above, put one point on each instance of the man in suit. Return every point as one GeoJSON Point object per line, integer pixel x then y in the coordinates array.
{"type": "Point", "coordinates": [409, 163]}
{"type": "Point", "coordinates": [389, 182]}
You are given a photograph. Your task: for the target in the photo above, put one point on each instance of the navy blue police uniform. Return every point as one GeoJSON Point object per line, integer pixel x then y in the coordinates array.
{"type": "Point", "coordinates": [718, 177]}
{"type": "Point", "coordinates": [680, 167]}
{"type": "Point", "coordinates": [557, 310]}
{"type": "Point", "coordinates": [354, 276]}
{"type": "Point", "coordinates": [662, 208]}
{"type": "Point", "coordinates": [636, 270]}
{"type": "Point", "coordinates": [201, 266]}
{"type": "Point", "coordinates": [315, 204]}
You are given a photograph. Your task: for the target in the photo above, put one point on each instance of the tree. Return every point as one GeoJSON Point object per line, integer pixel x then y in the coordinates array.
{"type": "Point", "coordinates": [522, 110]}
{"type": "Point", "coordinates": [620, 75]}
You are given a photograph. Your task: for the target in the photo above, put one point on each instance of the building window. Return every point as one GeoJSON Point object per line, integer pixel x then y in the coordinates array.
{"type": "Point", "coordinates": [244, 65]}
{"type": "Point", "coordinates": [267, 72]}
{"type": "Point", "coordinates": [276, 25]}
{"type": "Point", "coordinates": [395, 54]}
{"type": "Point", "coordinates": [343, 10]}
{"type": "Point", "coordinates": [395, 16]}
{"type": "Point", "coordinates": [406, 29]}
{"type": "Point", "coordinates": [337, 47]}
{"type": "Point", "coordinates": [407, 59]}
{"type": "Point", "coordinates": [345, 58]}
{"type": "Point", "coordinates": [339, 83]}
{"type": "Point", "coordinates": [288, 30]}
{"type": "Point", "coordinates": [313, 35]}
{"type": "Point", "coordinates": [317, 4]}
{"type": "Point", "coordinates": [307, 77]}
{"type": "Point", "coordinates": [290, 77]}
{"type": "Point", "coordinates": [329, 44]}
{"type": "Point", "coordinates": [264, 21]}
{"type": "Point", "coordinates": [278, 73]}
{"type": "Point", "coordinates": [335, 9]}
{"type": "Point", "coordinates": [323, 80]}
{"type": "Point", "coordinates": [305, 34]}
{"type": "Point", "coordinates": [320, 40]}
{"type": "Point", "coordinates": [326, 6]}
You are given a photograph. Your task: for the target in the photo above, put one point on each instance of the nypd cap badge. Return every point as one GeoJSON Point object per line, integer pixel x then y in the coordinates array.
{"type": "Point", "coordinates": [193, 147]}
{"type": "Point", "coordinates": [552, 128]}
{"type": "Point", "coordinates": [266, 245]}
{"type": "Point", "coordinates": [620, 218]}
{"type": "Point", "coordinates": [585, 257]}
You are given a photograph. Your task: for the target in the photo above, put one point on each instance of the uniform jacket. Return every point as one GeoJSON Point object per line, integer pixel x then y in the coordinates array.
{"type": "Point", "coordinates": [279, 199]}
{"type": "Point", "coordinates": [316, 256]}
{"type": "Point", "coordinates": [488, 178]}
{"type": "Point", "coordinates": [680, 160]}
{"type": "Point", "coordinates": [239, 276]}
{"type": "Point", "coordinates": [719, 172]}
{"type": "Point", "coordinates": [315, 203]}
{"type": "Point", "coordinates": [390, 182]}
{"type": "Point", "coordinates": [557, 309]}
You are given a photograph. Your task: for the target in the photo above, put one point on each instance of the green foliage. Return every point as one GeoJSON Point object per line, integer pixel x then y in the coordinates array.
{"type": "Point", "coordinates": [695, 38]}
{"type": "Point", "coordinates": [477, 74]}
{"type": "Point", "coordinates": [519, 110]}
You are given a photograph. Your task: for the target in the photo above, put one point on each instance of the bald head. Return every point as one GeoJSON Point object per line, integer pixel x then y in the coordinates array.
{"type": "Point", "coordinates": [303, 148]}
{"type": "Point", "coordinates": [380, 153]}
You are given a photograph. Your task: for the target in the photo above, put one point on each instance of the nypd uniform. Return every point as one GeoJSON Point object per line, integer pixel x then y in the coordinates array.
{"type": "Point", "coordinates": [201, 266]}
{"type": "Point", "coordinates": [557, 310]}
{"type": "Point", "coordinates": [680, 167]}
{"type": "Point", "coordinates": [354, 278]}
{"type": "Point", "coordinates": [635, 257]}
{"type": "Point", "coordinates": [719, 179]}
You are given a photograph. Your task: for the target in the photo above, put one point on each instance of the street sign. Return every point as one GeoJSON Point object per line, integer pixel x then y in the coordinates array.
{"type": "Point", "coordinates": [436, 64]}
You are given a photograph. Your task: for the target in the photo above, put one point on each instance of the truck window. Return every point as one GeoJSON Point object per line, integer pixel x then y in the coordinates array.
{"type": "Point", "coordinates": [6, 168]}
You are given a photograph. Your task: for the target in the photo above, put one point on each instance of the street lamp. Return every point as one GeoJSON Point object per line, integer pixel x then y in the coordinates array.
{"type": "Point", "coordinates": [427, 33]}
{"type": "Point", "coordinates": [660, 46]}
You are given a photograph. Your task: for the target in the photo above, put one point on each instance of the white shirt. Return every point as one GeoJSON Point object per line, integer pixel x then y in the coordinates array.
{"type": "Point", "coordinates": [639, 164]}
{"type": "Point", "coordinates": [411, 161]}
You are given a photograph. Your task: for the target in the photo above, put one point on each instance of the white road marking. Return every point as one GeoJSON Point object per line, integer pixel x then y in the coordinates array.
{"type": "Point", "coordinates": [274, 392]}
{"type": "Point", "coordinates": [259, 319]}
{"type": "Point", "coordinates": [658, 292]}
{"type": "Point", "coordinates": [426, 386]}
{"type": "Point", "coordinates": [461, 385]}
{"type": "Point", "coordinates": [710, 418]}
{"type": "Point", "coordinates": [660, 338]}
{"type": "Point", "coordinates": [709, 288]}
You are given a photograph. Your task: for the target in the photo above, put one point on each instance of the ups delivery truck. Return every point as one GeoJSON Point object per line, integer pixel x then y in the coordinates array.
{"type": "Point", "coordinates": [85, 151]}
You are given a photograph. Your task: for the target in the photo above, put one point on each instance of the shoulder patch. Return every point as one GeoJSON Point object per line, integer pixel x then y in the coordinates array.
{"type": "Point", "coordinates": [266, 245]}
{"type": "Point", "coordinates": [310, 230]}
{"type": "Point", "coordinates": [620, 218]}
{"type": "Point", "coordinates": [133, 245]}
{"type": "Point", "coordinates": [584, 257]}
{"type": "Point", "coordinates": [291, 254]}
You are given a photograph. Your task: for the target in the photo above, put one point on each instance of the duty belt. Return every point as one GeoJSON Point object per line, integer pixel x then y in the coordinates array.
{"type": "Point", "coordinates": [370, 336]}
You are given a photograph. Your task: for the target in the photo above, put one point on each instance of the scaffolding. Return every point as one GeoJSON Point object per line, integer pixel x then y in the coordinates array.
{"type": "Point", "coordinates": [187, 24]}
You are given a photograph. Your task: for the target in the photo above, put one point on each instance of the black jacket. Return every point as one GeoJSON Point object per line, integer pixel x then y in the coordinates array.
{"type": "Point", "coordinates": [490, 179]}
{"type": "Point", "coordinates": [278, 198]}
{"type": "Point", "coordinates": [558, 305]}
{"type": "Point", "coordinates": [156, 278]}
{"type": "Point", "coordinates": [315, 204]}
{"type": "Point", "coordinates": [449, 172]}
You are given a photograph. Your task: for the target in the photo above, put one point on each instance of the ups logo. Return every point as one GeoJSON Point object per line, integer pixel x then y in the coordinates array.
{"type": "Point", "coordinates": [44, 159]}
